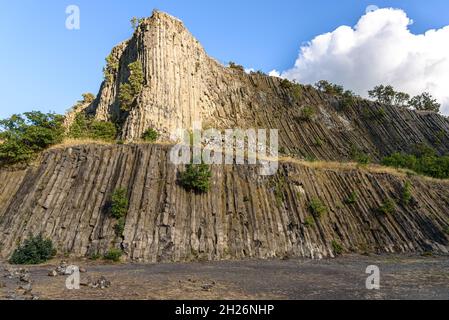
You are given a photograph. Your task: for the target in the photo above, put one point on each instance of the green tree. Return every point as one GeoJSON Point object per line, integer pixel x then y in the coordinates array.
{"type": "Point", "coordinates": [425, 102]}
{"type": "Point", "coordinates": [111, 68]}
{"type": "Point", "coordinates": [130, 90]}
{"type": "Point", "coordinates": [26, 135]}
{"type": "Point", "coordinates": [88, 97]}
{"type": "Point", "coordinates": [389, 96]}
{"type": "Point", "coordinates": [329, 88]}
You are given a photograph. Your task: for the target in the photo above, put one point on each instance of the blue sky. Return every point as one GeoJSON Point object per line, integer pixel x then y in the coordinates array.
{"type": "Point", "coordinates": [46, 67]}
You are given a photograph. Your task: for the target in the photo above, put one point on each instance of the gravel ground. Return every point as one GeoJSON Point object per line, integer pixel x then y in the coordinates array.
{"type": "Point", "coordinates": [401, 277]}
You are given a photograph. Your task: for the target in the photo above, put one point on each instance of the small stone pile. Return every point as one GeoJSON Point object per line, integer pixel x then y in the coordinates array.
{"type": "Point", "coordinates": [24, 284]}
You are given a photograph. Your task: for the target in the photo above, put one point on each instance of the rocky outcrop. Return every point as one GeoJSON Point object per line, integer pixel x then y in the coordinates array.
{"type": "Point", "coordinates": [183, 84]}
{"type": "Point", "coordinates": [66, 197]}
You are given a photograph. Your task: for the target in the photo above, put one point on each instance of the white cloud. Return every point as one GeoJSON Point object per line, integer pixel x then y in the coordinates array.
{"type": "Point", "coordinates": [380, 49]}
{"type": "Point", "coordinates": [274, 73]}
{"type": "Point", "coordinates": [249, 70]}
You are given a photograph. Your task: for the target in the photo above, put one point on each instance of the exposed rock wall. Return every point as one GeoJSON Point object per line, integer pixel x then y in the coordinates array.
{"type": "Point", "coordinates": [183, 84]}
{"type": "Point", "coordinates": [66, 197]}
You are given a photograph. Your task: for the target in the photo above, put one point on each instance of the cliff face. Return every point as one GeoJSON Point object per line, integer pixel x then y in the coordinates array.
{"type": "Point", "coordinates": [66, 197]}
{"type": "Point", "coordinates": [183, 85]}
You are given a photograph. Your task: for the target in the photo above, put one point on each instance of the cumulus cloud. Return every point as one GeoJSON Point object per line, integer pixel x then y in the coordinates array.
{"type": "Point", "coordinates": [380, 49]}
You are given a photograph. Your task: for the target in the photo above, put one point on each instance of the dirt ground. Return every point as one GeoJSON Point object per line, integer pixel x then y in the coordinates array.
{"type": "Point", "coordinates": [401, 277]}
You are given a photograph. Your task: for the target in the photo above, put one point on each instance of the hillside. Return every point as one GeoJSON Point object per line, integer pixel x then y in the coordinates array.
{"type": "Point", "coordinates": [182, 84]}
{"type": "Point", "coordinates": [312, 210]}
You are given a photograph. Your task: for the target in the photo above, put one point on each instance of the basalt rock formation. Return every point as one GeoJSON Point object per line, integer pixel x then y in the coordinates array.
{"type": "Point", "coordinates": [243, 215]}
{"type": "Point", "coordinates": [66, 194]}
{"type": "Point", "coordinates": [182, 85]}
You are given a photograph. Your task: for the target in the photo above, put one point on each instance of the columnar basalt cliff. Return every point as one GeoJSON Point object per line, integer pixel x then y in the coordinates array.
{"type": "Point", "coordinates": [183, 85]}
{"type": "Point", "coordinates": [244, 215]}
{"type": "Point", "coordinates": [66, 193]}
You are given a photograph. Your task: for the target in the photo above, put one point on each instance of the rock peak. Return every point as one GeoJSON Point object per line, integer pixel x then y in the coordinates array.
{"type": "Point", "coordinates": [157, 14]}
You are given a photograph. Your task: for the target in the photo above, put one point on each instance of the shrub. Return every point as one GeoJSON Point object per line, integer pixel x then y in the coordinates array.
{"type": "Point", "coordinates": [317, 208]}
{"type": "Point", "coordinates": [309, 221]}
{"type": "Point", "coordinates": [307, 113]}
{"type": "Point", "coordinates": [196, 178]}
{"type": "Point", "coordinates": [352, 199]}
{"type": "Point", "coordinates": [388, 207]}
{"type": "Point", "coordinates": [119, 227]}
{"type": "Point", "coordinates": [129, 91]}
{"type": "Point", "coordinates": [407, 193]}
{"type": "Point", "coordinates": [359, 156]}
{"type": "Point", "coordinates": [294, 88]}
{"type": "Point", "coordinates": [336, 246]}
{"type": "Point", "coordinates": [119, 203]}
{"type": "Point", "coordinates": [111, 68]}
{"type": "Point", "coordinates": [113, 255]}
{"type": "Point", "coordinates": [150, 135]}
{"type": "Point", "coordinates": [26, 135]}
{"type": "Point", "coordinates": [35, 250]}
{"type": "Point", "coordinates": [235, 66]}
{"type": "Point", "coordinates": [89, 128]}
{"type": "Point", "coordinates": [424, 161]}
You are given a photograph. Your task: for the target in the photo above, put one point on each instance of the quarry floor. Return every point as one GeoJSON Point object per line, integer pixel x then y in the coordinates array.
{"type": "Point", "coordinates": [401, 277]}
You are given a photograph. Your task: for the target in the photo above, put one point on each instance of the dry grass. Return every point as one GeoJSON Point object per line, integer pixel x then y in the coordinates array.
{"type": "Point", "coordinates": [69, 142]}
{"type": "Point", "coordinates": [318, 165]}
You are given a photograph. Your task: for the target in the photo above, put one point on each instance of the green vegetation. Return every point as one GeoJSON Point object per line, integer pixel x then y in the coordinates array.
{"type": "Point", "coordinates": [111, 68]}
{"type": "Point", "coordinates": [309, 221]}
{"type": "Point", "coordinates": [329, 88]}
{"type": "Point", "coordinates": [94, 256]}
{"type": "Point", "coordinates": [35, 250]}
{"type": "Point", "coordinates": [196, 178]}
{"type": "Point", "coordinates": [114, 255]}
{"type": "Point", "coordinates": [150, 135]}
{"type": "Point", "coordinates": [336, 246]}
{"type": "Point", "coordinates": [425, 102]}
{"type": "Point", "coordinates": [388, 207]}
{"type": "Point", "coordinates": [352, 199]}
{"type": "Point", "coordinates": [235, 66]}
{"type": "Point", "coordinates": [119, 209]}
{"type": "Point", "coordinates": [129, 91]}
{"type": "Point", "coordinates": [134, 22]}
{"type": "Point", "coordinates": [359, 156]}
{"type": "Point", "coordinates": [407, 193]}
{"type": "Point", "coordinates": [319, 142]}
{"type": "Point", "coordinates": [317, 208]}
{"type": "Point", "coordinates": [119, 203]}
{"type": "Point", "coordinates": [85, 127]}
{"type": "Point", "coordinates": [389, 96]}
{"type": "Point", "coordinates": [424, 161]}
{"type": "Point", "coordinates": [279, 191]}
{"type": "Point", "coordinates": [307, 113]}
{"type": "Point", "coordinates": [293, 87]}
{"type": "Point", "coordinates": [24, 136]}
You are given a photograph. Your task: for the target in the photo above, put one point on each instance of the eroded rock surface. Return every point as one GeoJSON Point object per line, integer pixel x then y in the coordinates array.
{"type": "Point", "coordinates": [244, 215]}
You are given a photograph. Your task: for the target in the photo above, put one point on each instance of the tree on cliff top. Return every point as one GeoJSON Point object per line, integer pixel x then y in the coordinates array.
{"type": "Point", "coordinates": [25, 135]}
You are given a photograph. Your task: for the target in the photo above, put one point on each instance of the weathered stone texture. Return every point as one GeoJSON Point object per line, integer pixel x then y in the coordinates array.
{"type": "Point", "coordinates": [244, 215]}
